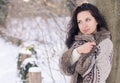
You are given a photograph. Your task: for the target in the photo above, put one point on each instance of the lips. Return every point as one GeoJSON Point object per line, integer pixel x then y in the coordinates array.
{"type": "Point", "coordinates": [86, 30]}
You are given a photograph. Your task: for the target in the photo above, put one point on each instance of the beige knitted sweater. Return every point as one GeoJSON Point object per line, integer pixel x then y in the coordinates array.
{"type": "Point", "coordinates": [100, 67]}
{"type": "Point", "coordinates": [103, 64]}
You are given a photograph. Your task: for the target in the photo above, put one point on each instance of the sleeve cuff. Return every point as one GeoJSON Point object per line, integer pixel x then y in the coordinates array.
{"type": "Point", "coordinates": [75, 56]}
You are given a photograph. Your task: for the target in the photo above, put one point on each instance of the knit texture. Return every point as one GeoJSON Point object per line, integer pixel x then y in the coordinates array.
{"type": "Point", "coordinates": [87, 68]}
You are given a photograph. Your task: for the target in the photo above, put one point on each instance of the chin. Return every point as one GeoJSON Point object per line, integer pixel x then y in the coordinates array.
{"type": "Point", "coordinates": [87, 33]}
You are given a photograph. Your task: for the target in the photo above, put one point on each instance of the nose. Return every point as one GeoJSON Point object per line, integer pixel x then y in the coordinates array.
{"type": "Point", "coordinates": [84, 25]}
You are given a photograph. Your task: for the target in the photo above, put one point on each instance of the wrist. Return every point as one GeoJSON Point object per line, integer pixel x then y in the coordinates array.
{"type": "Point", "coordinates": [75, 56]}
{"type": "Point", "coordinates": [79, 50]}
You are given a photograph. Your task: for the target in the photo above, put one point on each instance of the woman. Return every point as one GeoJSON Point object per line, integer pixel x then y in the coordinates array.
{"type": "Point", "coordinates": [89, 55]}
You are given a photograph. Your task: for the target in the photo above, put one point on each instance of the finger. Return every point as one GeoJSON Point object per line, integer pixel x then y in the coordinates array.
{"type": "Point", "coordinates": [93, 43]}
{"type": "Point", "coordinates": [91, 46]}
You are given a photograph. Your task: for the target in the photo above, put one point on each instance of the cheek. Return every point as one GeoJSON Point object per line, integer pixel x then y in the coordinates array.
{"type": "Point", "coordinates": [80, 27]}
{"type": "Point", "coordinates": [94, 27]}
{"type": "Point", "coordinates": [93, 24]}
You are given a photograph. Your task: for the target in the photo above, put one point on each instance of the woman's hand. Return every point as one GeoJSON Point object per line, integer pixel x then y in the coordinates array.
{"type": "Point", "coordinates": [86, 48]}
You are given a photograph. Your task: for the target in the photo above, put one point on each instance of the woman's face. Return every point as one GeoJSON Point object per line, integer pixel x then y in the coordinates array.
{"type": "Point", "coordinates": [86, 22]}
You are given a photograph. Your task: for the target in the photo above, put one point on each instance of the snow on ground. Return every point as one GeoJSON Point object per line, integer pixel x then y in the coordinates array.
{"type": "Point", "coordinates": [48, 38]}
{"type": "Point", "coordinates": [8, 57]}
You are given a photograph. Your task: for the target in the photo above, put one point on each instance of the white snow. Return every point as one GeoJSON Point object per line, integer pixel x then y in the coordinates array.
{"type": "Point", "coordinates": [28, 60]}
{"type": "Point", "coordinates": [48, 37]}
{"type": "Point", "coordinates": [24, 51]}
{"type": "Point", "coordinates": [8, 62]}
{"type": "Point", "coordinates": [34, 69]}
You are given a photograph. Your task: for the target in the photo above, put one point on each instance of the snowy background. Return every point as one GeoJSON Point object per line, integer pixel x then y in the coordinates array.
{"type": "Point", "coordinates": [41, 23]}
{"type": "Point", "coordinates": [48, 37]}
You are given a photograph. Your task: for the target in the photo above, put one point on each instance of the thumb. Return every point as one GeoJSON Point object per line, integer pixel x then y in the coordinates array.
{"type": "Point", "coordinates": [93, 43]}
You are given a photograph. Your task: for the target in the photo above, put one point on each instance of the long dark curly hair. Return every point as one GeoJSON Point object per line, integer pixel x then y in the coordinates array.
{"type": "Point", "coordinates": [73, 28]}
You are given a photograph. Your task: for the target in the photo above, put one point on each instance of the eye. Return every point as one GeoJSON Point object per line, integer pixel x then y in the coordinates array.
{"type": "Point", "coordinates": [88, 19]}
{"type": "Point", "coordinates": [79, 22]}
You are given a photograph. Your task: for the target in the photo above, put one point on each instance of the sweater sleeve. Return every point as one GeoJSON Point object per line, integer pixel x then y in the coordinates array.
{"type": "Point", "coordinates": [65, 62]}
{"type": "Point", "coordinates": [75, 56]}
{"type": "Point", "coordinates": [69, 59]}
{"type": "Point", "coordinates": [104, 59]}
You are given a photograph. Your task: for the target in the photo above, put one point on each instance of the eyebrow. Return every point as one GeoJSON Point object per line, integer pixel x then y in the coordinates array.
{"type": "Point", "coordinates": [85, 18]}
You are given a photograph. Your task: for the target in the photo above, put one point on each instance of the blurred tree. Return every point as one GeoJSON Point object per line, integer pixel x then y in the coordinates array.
{"type": "Point", "coordinates": [3, 11]}
{"type": "Point", "coordinates": [70, 5]}
{"type": "Point", "coordinates": [73, 3]}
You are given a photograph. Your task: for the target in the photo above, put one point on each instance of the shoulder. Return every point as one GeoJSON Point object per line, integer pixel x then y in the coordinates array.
{"type": "Point", "coordinates": [106, 43]}
{"type": "Point", "coordinates": [105, 51]}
